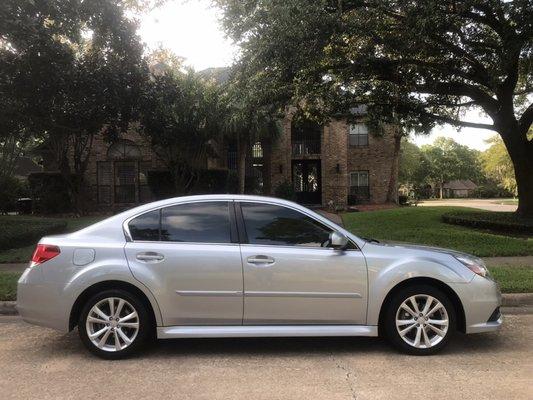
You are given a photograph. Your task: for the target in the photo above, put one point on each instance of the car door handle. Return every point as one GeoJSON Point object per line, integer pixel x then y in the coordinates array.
{"type": "Point", "coordinates": [150, 257]}
{"type": "Point", "coordinates": [260, 260]}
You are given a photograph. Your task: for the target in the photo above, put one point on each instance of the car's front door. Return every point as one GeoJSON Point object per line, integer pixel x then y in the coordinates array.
{"type": "Point", "coordinates": [291, 276]}
{"type": "Point", "coordinates": [188, 256]}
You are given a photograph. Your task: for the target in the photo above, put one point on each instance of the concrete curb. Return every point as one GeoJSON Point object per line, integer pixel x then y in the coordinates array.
{"type": "Point", "coordinates": [8, 308]}
{"type": "Point", "coordinates": [517, 299]}
{"type": "Point", "coordinates": [508, 300]}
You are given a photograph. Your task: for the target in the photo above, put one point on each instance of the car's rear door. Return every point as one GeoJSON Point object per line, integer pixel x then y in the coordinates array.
{"type": "Point", "coordinates": [188, 256]}
{"type": "Point", "coordinates": [291, 276]}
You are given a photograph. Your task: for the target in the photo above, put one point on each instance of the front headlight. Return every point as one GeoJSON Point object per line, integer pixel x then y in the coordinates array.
{"type": "Point", "coordinates": [476, 265]}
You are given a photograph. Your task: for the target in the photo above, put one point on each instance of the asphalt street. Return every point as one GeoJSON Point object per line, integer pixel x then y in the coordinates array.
{"type": "Point", "coordinates": [38, 363]}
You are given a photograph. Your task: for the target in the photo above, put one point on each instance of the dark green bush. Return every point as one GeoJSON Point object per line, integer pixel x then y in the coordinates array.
{"type": "Point", "coordinates": [19, 231]}
{"type": "Point", "coordinates": [11, 189]}
{"type": "Point", "coordinates": [161, 185]}
{"type": "Point", "coordinates": [285, 190]}
{"type": "Point", "coordinates": [490, 190]}
{"type": "Point", "coordinates": [507, 222]}
{"type": "Point", "coordinates": [213, 181]}
{"type": "Point", "coordinates": [402, 199]}
{"type": "Point", "coordinates": [50, 193]}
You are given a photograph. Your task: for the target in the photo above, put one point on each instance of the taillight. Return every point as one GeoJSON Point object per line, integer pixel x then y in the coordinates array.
{"type": "Point", "coordinates": [44, 252]}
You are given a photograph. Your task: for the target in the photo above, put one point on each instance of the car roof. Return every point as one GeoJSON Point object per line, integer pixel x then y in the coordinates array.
{"type": "Point", "coordinates": [112, 227]}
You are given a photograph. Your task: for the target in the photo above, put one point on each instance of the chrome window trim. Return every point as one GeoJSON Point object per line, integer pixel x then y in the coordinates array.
{"type": "Point", "coordinates": [129, 238]}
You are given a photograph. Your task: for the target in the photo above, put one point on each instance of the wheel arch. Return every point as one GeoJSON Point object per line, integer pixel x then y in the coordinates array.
{"type": "Point", "coordinates": [452, 295]}
{"type": "Point", "coordinates": [105, 285]}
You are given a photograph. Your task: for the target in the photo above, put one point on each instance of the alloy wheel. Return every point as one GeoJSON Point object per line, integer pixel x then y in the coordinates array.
{"type": "Point", "coordinates": [112, 324]}
{"type": "Point", "coordinates": [422, 321]}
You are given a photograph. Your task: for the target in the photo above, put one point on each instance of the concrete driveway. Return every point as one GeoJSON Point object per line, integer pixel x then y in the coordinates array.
{"type": "Point", "coordinates": [40, 363]}
{"type": "Point", "coordinates": [483, 204]}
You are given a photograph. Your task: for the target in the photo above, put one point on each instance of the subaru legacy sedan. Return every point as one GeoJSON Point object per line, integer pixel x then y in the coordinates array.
{"type": "Point", "coordinates": [248, 266]}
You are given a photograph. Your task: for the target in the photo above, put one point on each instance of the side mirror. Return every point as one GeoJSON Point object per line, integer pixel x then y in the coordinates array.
{"type": "Point", "coordinates": [337, 240]}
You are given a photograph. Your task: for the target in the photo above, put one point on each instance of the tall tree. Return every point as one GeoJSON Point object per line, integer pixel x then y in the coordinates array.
{"type": "Point", "coordinates": [75, 68]}
{"type": "Point", "coordinates": [497, 165]}
{"type": "Point", "coordinates": [178, 115]}
{"type": "Point", "coordinates": [448, 160]}
{"type": "Point", "coordinates": [421, 63]}
{"type": "Point", "coordinates": [414, 166]}
{"type": "Point", "coordinates": [247, 117]}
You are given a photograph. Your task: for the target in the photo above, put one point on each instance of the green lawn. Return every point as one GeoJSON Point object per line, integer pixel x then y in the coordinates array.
{"type": "Point", "coordinates": [514, 279]}
{"type": "Point", "coordinates": [511, 280]}
{"type": "Point", "coordinates": [8, 285]}
{"type": "Point", "coordinates": [23, 254]}
{"type": "Point", "coordinates": [423, 225]}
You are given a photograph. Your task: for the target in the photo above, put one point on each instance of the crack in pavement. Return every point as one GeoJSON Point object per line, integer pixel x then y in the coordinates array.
{"type": "Point", "coordinates": [348, 378]}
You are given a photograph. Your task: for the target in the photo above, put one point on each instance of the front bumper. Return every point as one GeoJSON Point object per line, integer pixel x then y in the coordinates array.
{"type": "Point", "coordinates": [39, 303]}
{"type": "Point", "coordinates": [481, 298]}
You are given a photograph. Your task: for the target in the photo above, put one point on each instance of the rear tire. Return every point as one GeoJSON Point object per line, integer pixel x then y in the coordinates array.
{"type": "Point", "coordinates": [114, 324]}
{"type": "Point", "coordinates": [419, 320]}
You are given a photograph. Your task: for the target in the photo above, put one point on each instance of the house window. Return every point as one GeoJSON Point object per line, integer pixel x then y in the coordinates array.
{"type": "Point", "coordinates": [123, 177]}
{"type": "Point", "coordinates": [305, 137]}
{"type": "Point", "coordinates": [358, 135]}
{"type": "Point", "coordinates": [359, 187]}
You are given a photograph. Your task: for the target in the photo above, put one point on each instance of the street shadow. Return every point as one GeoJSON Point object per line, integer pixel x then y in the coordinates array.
{"type": "Point", "coordinates": [310, 346]}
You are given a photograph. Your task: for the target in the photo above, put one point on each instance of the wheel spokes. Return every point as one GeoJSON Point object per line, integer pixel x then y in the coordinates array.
{"type": "Point", "coordinates": [422, 321]}
{"type": "Point", "coordinates": [103, 341]}
{"type": "Point", "coordinates": [100, 313]}
{"type": "Point", "coordinates": [111, 332]}
{"type": "Point", "coordinates": [129, 316]}
{"type": "Point", "coordinates": [119, 308]}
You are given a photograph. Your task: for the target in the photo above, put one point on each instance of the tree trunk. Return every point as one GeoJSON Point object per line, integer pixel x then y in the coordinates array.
{"type": "Point", "coordinates": [521, 152]}
{"type": "Point", "coordinates": [392, 192]}
{"type": "Point", "coordinates": [242, 149]}
{"type": "Point", "coordinates": [441, 190]}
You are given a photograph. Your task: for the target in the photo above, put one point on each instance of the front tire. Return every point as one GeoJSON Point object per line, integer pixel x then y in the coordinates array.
{"type": "Point", "coordinates": [114, 324]}
{"type": "Point", "coordinates": [419, 320]}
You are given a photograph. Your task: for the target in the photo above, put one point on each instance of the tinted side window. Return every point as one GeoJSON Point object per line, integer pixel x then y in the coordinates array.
{"type": "Point", "coordinates": [207, 222]}
{"type": "Point", "coordinates": [275, 225]}
{"type": "Point", "coordinates": [145, 226]}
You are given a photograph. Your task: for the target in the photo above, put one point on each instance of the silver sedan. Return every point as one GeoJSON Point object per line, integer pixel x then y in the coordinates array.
{"type": "Point", "coordinates": [248, 266]}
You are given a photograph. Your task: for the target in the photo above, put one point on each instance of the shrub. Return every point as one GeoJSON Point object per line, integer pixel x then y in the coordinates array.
{"type": "Point", "coordinates": [490, 190]}
{"type": "Point", "coordinates": [11, 189]}
{"type": "Point", "coordinates": [50, 193]}
{"type": "Point", "coordinates": [160, 183]}
{"type": "Point", "coordinates": [21, 231]}
{"type": "Point", "coordinates": [402, 199]}
{"type": "Point", "coordinates": [208, 181]}
{"type": "Point", "coordinates": [212, 181]}
{"type": "Point", "coordinates": [497, 221]}
{"type": "Point", "coordinates": [285, 190]}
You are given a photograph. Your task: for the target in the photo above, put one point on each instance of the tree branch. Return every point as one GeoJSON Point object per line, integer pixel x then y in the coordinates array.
{"type": "Point", "coordinates": [456, 122]}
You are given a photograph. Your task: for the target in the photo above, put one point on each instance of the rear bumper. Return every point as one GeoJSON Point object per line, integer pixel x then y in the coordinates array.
{"type": "Point", "coordinates": [38, 303]}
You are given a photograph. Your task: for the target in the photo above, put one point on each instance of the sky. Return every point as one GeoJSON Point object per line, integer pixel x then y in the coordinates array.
{"type": "Point", "coordinates": [191, 29]}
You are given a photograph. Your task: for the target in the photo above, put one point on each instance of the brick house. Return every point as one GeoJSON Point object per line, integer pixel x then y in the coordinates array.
{"type": "Point", "coordinates": [335, 165]}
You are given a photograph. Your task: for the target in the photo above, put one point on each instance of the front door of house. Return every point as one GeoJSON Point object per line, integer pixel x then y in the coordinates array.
{"type": "Point", "coordinates": [306, 178]}
{"type": "Point", "coordinates": [125, 180]}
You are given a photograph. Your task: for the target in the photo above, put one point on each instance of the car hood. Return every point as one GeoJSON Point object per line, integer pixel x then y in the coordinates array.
{"type": "Point", "coordinates": [424, 248]}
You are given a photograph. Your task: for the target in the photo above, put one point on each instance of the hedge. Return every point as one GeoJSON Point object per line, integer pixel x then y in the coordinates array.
{"type": "Point", "coordinates": [50, 193]}
{"type": "Point", "coordinates": [19, 231]}
{"type": "Point", "coordinates": [507, 222]}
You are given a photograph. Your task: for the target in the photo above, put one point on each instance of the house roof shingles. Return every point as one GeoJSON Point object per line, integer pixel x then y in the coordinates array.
{"type": "Point", "coordinates": [460, 185]}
